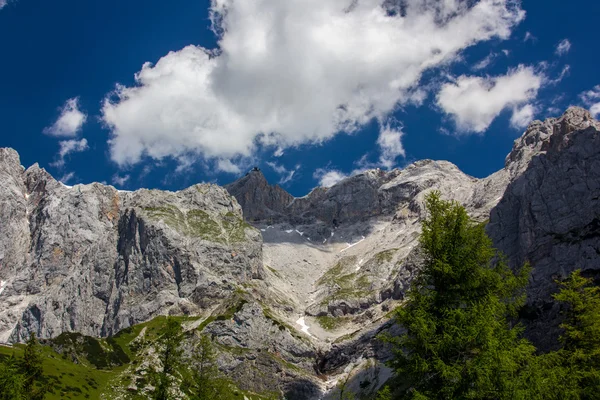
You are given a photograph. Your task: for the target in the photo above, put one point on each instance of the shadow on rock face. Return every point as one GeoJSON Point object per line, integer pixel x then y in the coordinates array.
{"type": "Point", "coordinates": [302, 389]}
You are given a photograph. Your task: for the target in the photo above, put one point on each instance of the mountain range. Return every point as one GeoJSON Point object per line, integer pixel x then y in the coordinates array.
{"type": "Point", "coordinates": [294, 291]}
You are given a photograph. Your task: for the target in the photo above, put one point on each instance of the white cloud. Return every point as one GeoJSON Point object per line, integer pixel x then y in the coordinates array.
{"type": "Point", "coordinates": [591, 99]}
{"type": "Point", "coordinates": [69, 122]}
{"type": "Point", "coordinates": [474, 102]}
{"type": "Point", "coordinates": [591, 96]}
{"type": "Point", "coordinates": [66, 178]}
{"type": "Point", "coordinates": [328, 178]}
{"type": "Point", "coordinates": [390, 145]}
{"type": "Point", "coordinates": [522, 116]}
{"type": "Point", "coordinates": [278, 152]}
{"type": "Point", "coordinates": [529, 36]}
{"type": "Point", "coordinates": [563, 47]}
{"type": "Point", "coordinates": [3, 3]}
{"type": "Point", "coordinates": [292, 72]}
{"type": "Point", "coordinates": [228, 166]}
{"type": "Point", "coordinates": [285, 174]}
{"type": "Point", "coordinates": [484, 63]}
{"type": "Point", "coordinates": [67, 147]}
{"type": "Point", "coordinates": [120, 180]}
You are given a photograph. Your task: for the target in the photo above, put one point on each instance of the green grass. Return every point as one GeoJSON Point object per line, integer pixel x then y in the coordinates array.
{"type": "Point", "coordinates": [333, 274]}
{"type": "Point", "coordinates": [69, 380]}
{"type": "Point", "coordinates": [198, 224]}
{"type": "Point", "coordinates": [331, 323]}
{"type": "Point", "coordinates": [90, 368]}
{"type": "Point", "coordinates": [385, 256]}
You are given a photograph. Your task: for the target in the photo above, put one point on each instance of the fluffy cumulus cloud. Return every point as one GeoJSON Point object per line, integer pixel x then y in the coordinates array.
{"type": "Point", "coordinates": [563, 47]}
{"type": "Point", "coordinates": [67, 147]}
{"type": "Point", "coordinates": [591, 99]}
{"type": "Point", "coordinates": [70, 121]}
{"type": "Point", "coordinates": [522, 116]}
{"type": "Point", "coordinates": [390, 145]}
{"type": "Point", "coordinates": [292, 72]}
{"type": "Point", "coordinates": [474, 102]}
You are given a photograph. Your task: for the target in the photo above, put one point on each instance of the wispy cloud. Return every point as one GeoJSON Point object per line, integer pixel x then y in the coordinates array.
{"type": "Point", "coordinates": [286, 175]}
{"type": "Point", "coordinates": [563, 47]}
{"type": "Point", "coordinates": [120, 180]}
{"type": "Point", "coordinates": [66, 178]}
{"type": "Point", "coordinates": [591, 98]}
{"type": "Point", "coordinates": [67, 147]}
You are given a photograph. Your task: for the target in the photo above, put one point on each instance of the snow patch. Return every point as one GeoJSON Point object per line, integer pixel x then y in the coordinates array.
{"type": "Point", "coordinates": [359, 265]}
{"type": "Point", "coordinates": [352, 245]}
{"type": "Point", "coordinates": [2, 285]}
{"type": "Point", "coordinates": [263, 230]}
{"type": "Point", "coordinates": [27, 196]}
{"type": "Point", "coordinates": [302, 323]}
{"type": "Point", "coordinates": [289, 231]}
{"type": "Point", "coordinates": [300, 233]}
{"type": "Point", "coordinates": [67, 186]}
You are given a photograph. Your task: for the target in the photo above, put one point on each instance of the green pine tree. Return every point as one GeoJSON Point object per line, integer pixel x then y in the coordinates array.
{"type": "Point", "coordinates": [11, 380]}
{"type": "Point", "coordinates": [170, 356]}
{"type": "Point", "coordinates": [580, 356]}
{"type": "Point", "coordinates": [459, 342]}
{"type": "Point", "coordinates": [207, 382]}
{"type": "Point", "coordinates": [33, 371]}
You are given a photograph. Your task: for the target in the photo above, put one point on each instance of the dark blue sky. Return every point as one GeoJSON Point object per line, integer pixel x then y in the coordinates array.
{"type": "Point", "coordinates": [53, 51]}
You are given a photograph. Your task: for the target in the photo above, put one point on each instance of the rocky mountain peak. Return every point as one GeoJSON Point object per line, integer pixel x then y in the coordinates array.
{"type": "Point", "coordinates": [539, 136]}
{"type": "Point", "coordinates": [258, 198]}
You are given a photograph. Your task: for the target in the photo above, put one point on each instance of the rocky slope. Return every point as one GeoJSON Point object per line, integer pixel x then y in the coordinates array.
{"type": "Point", "coordinates": [296, 286]}
{"type": "Point", "coordinates": [95, 260]}
{"type": "Point", "coordinates": [549, 215]}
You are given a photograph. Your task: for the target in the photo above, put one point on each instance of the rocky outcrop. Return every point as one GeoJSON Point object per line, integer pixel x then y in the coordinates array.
{"type": "Point", "coordinates": [95, 260]}
{"type": "Point", "coordinates": [259, 200]}
{"type": "Point", "coordinates": [549, 215]}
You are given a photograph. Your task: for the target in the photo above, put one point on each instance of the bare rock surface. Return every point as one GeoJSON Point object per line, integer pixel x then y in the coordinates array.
{"type": "Point", "coordinates": [95, 260]}
{"type": "Point", "coordinates": [550, 213]}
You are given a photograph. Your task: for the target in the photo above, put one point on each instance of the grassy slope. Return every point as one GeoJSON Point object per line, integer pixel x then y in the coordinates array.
{"type": "Point", "coordinates": [83, 380]}
{"type": "Point", "coordinates": [69, 380]}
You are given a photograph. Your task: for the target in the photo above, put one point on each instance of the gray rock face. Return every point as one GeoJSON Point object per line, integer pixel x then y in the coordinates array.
{"type": "Point", "coordinates": [95, 260]}
{"type": "Point", "coordinates": [550, 213]}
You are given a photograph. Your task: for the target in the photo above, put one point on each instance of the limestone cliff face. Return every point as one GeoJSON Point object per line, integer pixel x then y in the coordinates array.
{"type": "Point", "coordinates": [549, 215]}
{"type": "Point", "coordinates": [95, 260]}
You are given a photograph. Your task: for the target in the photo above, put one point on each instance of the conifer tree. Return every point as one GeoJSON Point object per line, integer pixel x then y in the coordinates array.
{"type": "Point", "coordinates": [580, 355]}
{"type": "Point", "coordinates": [207, 382]}
{"type": "Point", "coordinates": [33, 371]}
{"type": "Point", "coordinates": [11, 380]}
{"type": "Point", "coordinates": [170, 355]}
{"type": "Point", "coordinates": [459, 342]}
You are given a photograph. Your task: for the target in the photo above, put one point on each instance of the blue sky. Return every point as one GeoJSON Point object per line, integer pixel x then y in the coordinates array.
{"type": "Point", "coordinates": [310, 91]}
